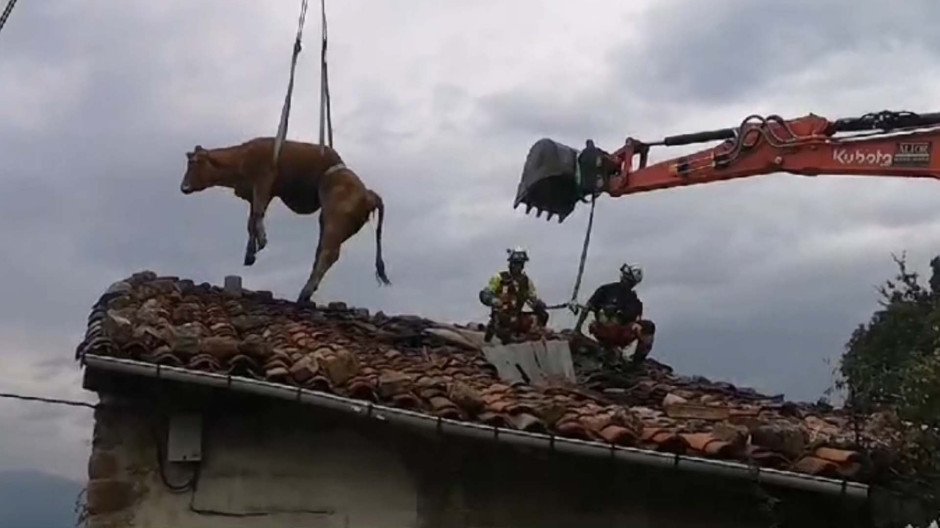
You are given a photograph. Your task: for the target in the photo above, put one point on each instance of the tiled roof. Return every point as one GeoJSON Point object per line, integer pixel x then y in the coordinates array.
{"type": "Point", "coordinates": [726, 421]}
{"type": "Point", "coordinates": [397, 362]}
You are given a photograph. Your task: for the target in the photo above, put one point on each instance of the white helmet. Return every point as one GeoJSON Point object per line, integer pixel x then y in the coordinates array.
{"type": "Point", "coordinates": [634, 274]}
{"type": "Point", "coordinates": [518, 254]}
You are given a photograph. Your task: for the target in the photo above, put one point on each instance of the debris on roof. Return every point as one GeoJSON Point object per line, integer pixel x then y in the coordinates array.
{"type": "Point", "coordinates": [439, 369]}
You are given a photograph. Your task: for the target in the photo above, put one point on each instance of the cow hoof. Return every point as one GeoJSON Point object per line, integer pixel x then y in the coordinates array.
{"type": "Point", "coordinates": [304, 297]}
{"type": "Point", "coordinates": [249, 259]}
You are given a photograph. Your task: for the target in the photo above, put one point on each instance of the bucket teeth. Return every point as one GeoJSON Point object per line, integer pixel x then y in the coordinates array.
{"type": "Point", "coordinates": [549, 217]}
{"type": "Point", "coordinates": [549, 181]}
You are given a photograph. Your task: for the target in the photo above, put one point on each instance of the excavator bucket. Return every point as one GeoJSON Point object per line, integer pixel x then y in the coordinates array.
{"type": "Point", "coordinates": [550, 181]}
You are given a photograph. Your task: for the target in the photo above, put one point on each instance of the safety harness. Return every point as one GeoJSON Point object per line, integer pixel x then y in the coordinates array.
{"type": "Point", "coordinates": [508, 289]}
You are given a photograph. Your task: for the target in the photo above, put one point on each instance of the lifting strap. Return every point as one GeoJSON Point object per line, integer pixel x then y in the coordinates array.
{"type": "Point", "coordinates": [325, 116]}
{"type": "Point", "coordinates": [573, 303]}
{"type": "Point", "coordinates": [6, 13]}
{"type": "Point", "coordinates": [285, 110]}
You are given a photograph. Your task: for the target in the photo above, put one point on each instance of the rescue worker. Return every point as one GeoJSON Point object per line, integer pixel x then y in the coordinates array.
{"type": "Point", "coordinates": [507, 293]}
{"type": "Point", "coordinates": [618, 315]}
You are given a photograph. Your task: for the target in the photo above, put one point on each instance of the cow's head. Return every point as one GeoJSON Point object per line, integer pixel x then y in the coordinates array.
{"type": "Point", "coordinates": [201, 171]}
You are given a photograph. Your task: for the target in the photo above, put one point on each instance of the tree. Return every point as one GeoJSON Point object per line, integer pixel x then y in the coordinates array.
{"type": "Point", "coordinates": [886, 360]}
{"type": "Point", "coordinates": [893, 362]}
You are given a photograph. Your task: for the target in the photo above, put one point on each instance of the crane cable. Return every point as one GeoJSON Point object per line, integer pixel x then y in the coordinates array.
{"type": "Point", "coordinates": [573, 303]}
{"type": "Point", "coordinates": [325, 116]}
{"type": "Point", "coordinates": [6, 13]}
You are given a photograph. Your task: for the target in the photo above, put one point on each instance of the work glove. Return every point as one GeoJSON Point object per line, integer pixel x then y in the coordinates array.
{"type": "Point", "coordinates": [489, 299]}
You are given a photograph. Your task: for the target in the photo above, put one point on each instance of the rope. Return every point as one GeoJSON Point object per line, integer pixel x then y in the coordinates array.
{"type": "Point", "coordinates": [6, 12]}
{"type": "Point", "coordinates": [285, 110]}
{"type": "Point", "coordinates": [573, 303]}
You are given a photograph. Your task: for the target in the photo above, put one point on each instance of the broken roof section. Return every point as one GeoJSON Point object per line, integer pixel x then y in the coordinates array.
{"type": "Point", "coordinates": [438, 370]}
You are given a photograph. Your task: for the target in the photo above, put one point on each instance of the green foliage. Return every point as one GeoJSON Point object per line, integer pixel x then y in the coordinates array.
{"type": "Point", "coordinates": [893, 362]}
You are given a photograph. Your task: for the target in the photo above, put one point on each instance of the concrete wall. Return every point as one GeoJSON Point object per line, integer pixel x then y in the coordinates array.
{"type": "Point", "coordinates": [273, 464]}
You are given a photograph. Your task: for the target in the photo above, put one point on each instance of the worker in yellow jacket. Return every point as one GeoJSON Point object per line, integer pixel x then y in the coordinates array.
{"type": "Point", "coordinates": [507, 293]}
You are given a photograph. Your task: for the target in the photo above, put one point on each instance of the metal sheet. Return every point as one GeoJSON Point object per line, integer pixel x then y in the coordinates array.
{"type": "Point", "coordinates": [539, 361]}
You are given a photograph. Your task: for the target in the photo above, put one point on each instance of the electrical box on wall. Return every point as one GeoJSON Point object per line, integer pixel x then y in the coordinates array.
{"type": "Point", "coordinates": [184, 442]}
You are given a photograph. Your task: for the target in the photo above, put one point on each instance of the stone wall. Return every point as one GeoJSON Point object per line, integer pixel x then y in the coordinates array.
{"type": "Point", "coordinates": [271, 463]}
{"type": "Point", "coordinates": [115, 466]}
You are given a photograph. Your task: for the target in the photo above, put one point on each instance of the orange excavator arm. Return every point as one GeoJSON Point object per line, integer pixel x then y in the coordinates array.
{"type": "Point", "coordinates": [899, 144]}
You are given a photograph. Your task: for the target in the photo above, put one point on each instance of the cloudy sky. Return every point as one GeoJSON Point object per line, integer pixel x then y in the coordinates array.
{"type": "Point", "coordinates": [435, 105]}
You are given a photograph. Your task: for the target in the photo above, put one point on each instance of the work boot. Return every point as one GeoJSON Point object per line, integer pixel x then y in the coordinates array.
{"type": "Point", "coordinates": [490, 331]}
{"type": "Point", "coordinates": [642, 351]}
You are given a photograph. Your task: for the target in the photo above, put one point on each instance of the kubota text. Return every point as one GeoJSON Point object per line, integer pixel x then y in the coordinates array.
{"type": "Point", "coordinates": [862, 157]}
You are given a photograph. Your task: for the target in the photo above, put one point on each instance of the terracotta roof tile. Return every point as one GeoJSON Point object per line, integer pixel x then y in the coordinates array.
{"type": "Point", "coordinates": [664, 440]}
{"type": "Point", "coordinates": [765, 457]}
{"type": "Point", "coordinates": [816, 466]}
{"type": "Point", "coordinates": [528, 422]}
{"type": "Point", "coordinates": [413, 363]}
{"type": "Point", "coordinates": [616, 434]}
{"type": "Point", "coordinates": [839, 456]}
{"type": "Point", "coordinates": [711, 445]}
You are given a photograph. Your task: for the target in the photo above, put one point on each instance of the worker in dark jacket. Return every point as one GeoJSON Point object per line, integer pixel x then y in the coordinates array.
{"type": "Point", "coordinates": [618, 315]}
{"type": "Point", "coordinates": [507, 293]}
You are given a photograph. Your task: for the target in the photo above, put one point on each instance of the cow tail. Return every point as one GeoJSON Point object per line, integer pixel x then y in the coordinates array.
{"type": "Point", "coordinates": [379, 263]}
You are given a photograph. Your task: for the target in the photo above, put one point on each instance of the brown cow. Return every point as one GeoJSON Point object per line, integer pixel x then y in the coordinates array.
{"type": "Point", "coordinates": [308, 178]}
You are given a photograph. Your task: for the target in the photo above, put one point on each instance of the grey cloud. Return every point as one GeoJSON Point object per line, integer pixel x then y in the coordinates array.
{"type": "Point", "coordinates": [530, 116]}
{"type": "Point", "coordinates": [717, 51]}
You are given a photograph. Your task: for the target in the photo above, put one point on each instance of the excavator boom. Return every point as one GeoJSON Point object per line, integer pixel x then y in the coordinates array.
{"type": "Point", "coordinates": [899, 144]}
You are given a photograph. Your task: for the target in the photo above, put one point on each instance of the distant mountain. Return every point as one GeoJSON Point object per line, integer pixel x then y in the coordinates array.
{"type": "Point", "coordinates": [30, 499]}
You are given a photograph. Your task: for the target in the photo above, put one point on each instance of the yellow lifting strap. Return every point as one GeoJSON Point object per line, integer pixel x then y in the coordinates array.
{"type": "Point", "coordinates": [326, 121]}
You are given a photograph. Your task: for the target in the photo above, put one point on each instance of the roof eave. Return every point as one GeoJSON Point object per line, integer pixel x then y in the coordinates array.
{"type": "Point", "coordinates": [823, 485]}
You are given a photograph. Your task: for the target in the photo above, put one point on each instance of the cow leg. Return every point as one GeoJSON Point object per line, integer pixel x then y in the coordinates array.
{"type": "Point", "coordinates": [260, 199]}
{"type": "Point", "coordinates": [337, 224]}
{"type": "Point", "coordinates": [250, 250]}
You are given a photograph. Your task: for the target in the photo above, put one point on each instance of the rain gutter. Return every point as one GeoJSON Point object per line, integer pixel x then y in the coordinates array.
{"type": "Point", "coordinates": [447, 426]}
